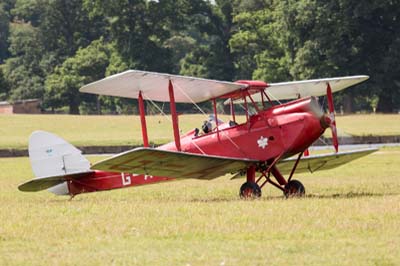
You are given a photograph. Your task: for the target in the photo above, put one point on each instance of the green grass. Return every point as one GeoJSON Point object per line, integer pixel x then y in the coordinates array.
{"type": "Point", "coordinates": [351, 216]}
{"type": "Point", "coordinates": [125, 130]}
{"type": "Point", "coordinates": [377, 125]}
{"type": "Point", "coordinates": [91, 130]}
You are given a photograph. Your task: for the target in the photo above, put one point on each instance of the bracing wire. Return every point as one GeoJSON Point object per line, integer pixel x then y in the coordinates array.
{"type": "Point", "coordinates": [272, 96]}
{"type": "Point", "coordinates": [165, 115]}
{"type": "Point", "coordinates": [201, 110]}
{"type": "Point", "coordinates": [158, 108]}
{"type": "Point", "coordinates": [190, 99]}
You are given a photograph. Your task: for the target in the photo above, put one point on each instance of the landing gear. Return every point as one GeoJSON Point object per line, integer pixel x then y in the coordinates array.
{"type": "Point", "coordinates": [250, 190]}
{"type": "Point", "coordinates": [294, 188]}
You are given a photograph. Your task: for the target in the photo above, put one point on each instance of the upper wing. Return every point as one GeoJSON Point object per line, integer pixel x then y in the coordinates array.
{"type": "Point", "coordinates": [156, 162]}
{"type": "Point", "coordinates": [323, 161]}
{"type": "Point", "coordinates": [305, 88]}
{"type": "Point", "coordinates": [154, 86]}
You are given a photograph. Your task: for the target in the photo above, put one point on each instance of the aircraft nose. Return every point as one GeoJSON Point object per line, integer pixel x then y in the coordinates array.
{"type": "Point", "coordinates": [325, 121]}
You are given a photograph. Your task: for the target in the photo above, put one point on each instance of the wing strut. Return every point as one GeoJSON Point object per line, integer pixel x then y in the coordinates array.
{"type": "Point", "coordinates": [232, 110]}
{"type": "Point", "coordinates": [143, 120]}
{"type": "Point", "coordinates": [332, 123]}
{"type": "Point", "coordinates": [216, 117]}
{"type": "Point", "coordinates": [174, 116]}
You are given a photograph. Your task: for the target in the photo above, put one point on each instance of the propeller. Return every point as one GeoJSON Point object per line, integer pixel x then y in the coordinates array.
{"type": "Point", "coordinates": [331, 118]}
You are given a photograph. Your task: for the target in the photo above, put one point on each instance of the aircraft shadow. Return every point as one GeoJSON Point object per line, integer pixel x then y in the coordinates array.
{"type": "Point", "coordinates": [348, 195]}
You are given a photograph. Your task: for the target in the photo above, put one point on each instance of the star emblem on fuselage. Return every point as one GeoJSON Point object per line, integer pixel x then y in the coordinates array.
{"type": "Point", "coordinates": [262, 142]}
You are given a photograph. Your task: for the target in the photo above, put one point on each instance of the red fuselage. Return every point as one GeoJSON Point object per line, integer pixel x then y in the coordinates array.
{"type": "Point", "coordinates": [282, 130]}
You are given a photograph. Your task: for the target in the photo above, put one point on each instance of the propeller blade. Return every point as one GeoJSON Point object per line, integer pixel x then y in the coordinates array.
{"type": "Point", "coordinates": [332, 123]}
{"type": "Point", "coordinates": [316, 108]}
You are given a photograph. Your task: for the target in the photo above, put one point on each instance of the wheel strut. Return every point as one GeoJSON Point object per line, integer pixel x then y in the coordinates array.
{"type": "Point", "coordinates": [250, 189]}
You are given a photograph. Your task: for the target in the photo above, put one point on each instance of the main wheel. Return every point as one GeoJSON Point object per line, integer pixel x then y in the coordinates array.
{"type": "Point", "coordinates": [250, 190]}
{"type": "Point", "coordinates": [294, 189]}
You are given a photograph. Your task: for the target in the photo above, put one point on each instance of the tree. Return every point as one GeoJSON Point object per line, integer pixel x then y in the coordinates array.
{"type": "Point", "coordinates": [4, 33]}
{"type": "Point", "coordinates": [258, 45]}
{"type": "Point", "coordinates": [137, 33]}
{"type": "Point", "coordinates": [4, 87]}
{"type": "Point", "coordinates": [210, 28]}
{"type": "Point", "coordinates": [305, 39]}
{"type": "Point", "coordinates": [88, 65]}
{"type": "Point", "coordinates": [43, 35]}
{"type": "Point", "coordinates": [22, 70]}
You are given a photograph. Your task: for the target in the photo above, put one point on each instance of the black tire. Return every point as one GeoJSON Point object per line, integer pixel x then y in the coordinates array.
{"type": "Point", "coordinates": [294, 189]}
{"type": "Point", "coordinates": [250, 190]}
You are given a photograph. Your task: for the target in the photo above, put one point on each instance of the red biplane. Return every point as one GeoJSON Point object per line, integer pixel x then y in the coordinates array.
{"type": "Point", "coordinates": [262, 148]}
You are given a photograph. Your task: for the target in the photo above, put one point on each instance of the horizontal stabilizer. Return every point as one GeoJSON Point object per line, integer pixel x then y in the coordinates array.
{"type": "Point", "coordinates": [322, 162]}
{"type": "Point", "coordinates": [41, 183]}
{"type": "Point", "coordinates": [156, 162]}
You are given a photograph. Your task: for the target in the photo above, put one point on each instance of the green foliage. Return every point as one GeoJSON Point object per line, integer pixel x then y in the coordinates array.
{"type": "Point", "coordinates": [43, 35]}
{"type": "Point", "coordinates": [22, 70]}
{"type": "Point", "coordinates": [29, 11]}
{"type": "Point", "coordinates": [4, 86]}
{"type": "Point", "coordinates": [89, 64]}
{"type": "Point", "coordinates": [137, 33]}
{"type": "Point", "coordinates": [290, 40]}
{"type": "Point", "coordinates": [269, 40]}
{"type": "Point", "coordinates": [4, 32]}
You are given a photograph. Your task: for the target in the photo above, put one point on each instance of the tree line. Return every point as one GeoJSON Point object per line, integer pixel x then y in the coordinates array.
{"type": "Point", "coordinates": [50, 48]}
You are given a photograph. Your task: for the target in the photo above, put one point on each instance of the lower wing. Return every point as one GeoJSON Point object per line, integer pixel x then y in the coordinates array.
{"type": "Point", "coordinates": [322, 162]}
{"type": "Point", "coordinates": [156, 162]}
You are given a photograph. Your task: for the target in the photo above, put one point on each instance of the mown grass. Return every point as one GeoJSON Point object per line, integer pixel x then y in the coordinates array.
{"type": "Point", "coordinates": [126, 130]}
{"type": "Point", "coordinates": [351, 216]}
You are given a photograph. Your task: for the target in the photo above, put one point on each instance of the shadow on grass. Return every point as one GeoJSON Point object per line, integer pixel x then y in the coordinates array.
{"type": "Point", "coordinates": [351, 195]}
{"type": "Point", "coordinates": [216, 199]}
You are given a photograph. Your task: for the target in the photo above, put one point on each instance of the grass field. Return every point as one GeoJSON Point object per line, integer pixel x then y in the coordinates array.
{"type": "Point", "coordinates": [125, 130]}
{"type": "Point", "coordinates": [351, 216]}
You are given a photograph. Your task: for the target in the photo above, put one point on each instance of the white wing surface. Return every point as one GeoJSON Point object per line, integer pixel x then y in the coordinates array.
{"type": "Point", "coordinates": [154, 86]}
{"type": "Point", "coordinates": [305, 88]}
{"type": "Point", "coordinates": [313, 87]}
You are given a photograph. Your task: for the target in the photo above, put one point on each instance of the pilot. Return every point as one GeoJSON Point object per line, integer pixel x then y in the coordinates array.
{"type": "Point", "coordinates": [206, 127]}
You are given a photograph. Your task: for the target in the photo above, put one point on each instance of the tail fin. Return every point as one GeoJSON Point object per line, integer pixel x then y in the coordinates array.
{"type": "Point", "coordinates": [52, 160]}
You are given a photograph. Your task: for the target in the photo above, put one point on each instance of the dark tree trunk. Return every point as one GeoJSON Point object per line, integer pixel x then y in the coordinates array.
{"type": "Point", "coordinates": [385, 103]}
{"type": "Point", "coordinates": [98, 106]}
{"type": "Point", "coordinates": [73, 109]}
{"type": "Point", "coordinates": [347, 104]}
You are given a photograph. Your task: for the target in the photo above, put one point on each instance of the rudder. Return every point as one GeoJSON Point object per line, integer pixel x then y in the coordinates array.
{"type": "Point", "coordinates": [52, 156]}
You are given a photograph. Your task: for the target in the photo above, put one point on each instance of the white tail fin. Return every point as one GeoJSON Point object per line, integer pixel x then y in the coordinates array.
{"type": "Point", "coordinates": [52, 158]}
{"type": "Point", "coordinates": [50, 155]}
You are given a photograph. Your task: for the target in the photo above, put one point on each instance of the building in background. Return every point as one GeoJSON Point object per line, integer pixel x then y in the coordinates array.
{"type": "Point", "coordinates": [31, 106]}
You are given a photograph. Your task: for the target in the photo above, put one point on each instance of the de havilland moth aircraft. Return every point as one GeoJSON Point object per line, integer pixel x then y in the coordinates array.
{"type": "Point", "coordinates": [268, 148]}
